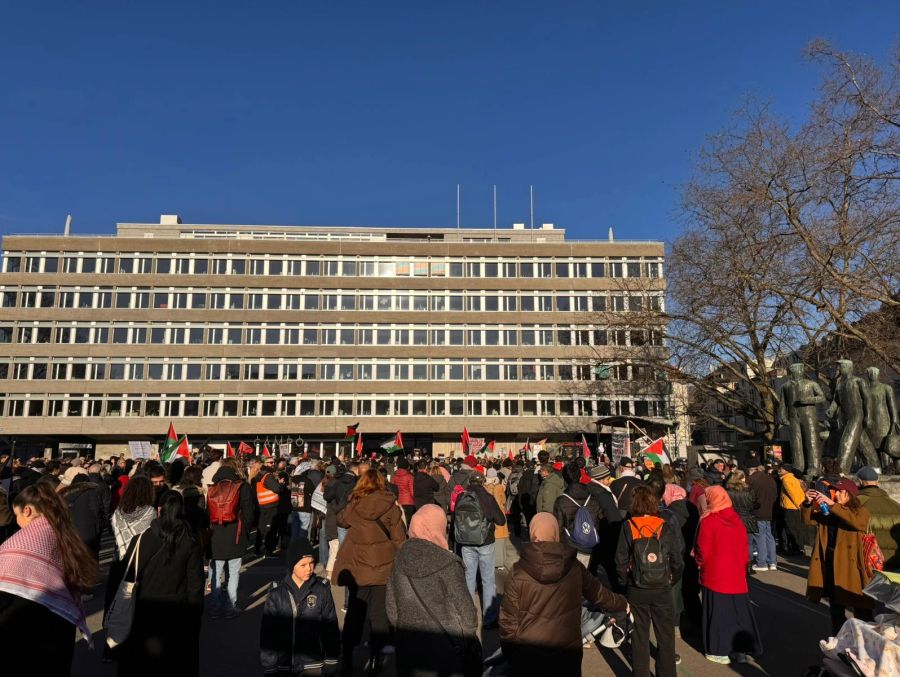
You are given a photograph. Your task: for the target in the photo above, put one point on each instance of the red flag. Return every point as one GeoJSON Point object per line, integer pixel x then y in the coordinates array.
{"type": "Point", "coordinates": [465, 441]}
{"type": "Point", "coordinates": [510, 455]}
{"type": "Point", "coordinates": [245, 449]}
{"type": "Point", "coordinates": [265, 451]}
{"type": "Point", "coordinates": [229, 450]}
{"type": "Point", "coordinates": [399, 439]}
{"type": "Point", "coordinates": [359, 445]}
{"type": "Point", "coordinates": [585, 449]}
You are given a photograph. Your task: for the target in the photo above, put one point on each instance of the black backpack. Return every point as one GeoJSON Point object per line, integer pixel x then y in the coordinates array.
{"type": "Point", "coordinates": [469, 524]}
{"type": "Point", "coordinates": [649, 556]}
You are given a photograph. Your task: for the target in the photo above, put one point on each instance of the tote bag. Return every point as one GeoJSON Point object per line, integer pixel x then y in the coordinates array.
{"type": "Point", "coordinates": [121, 612]}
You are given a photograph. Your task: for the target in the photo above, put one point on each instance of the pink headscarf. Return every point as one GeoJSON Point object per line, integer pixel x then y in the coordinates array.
{"type": "Point", "coordinates": [29, 569]}
{"type": "Point", "coordinates": [716, 499]}
{"type": "Point", "coordinates": [430, 524]}
{"type": "Point", "coordinates": [673, 493]}
{"type": "Point", "coordinates": [543, 528]}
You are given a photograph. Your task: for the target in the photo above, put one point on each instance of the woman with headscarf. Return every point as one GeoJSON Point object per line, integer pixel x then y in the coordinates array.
{"type": "Point", "coordinates": [45, 568]}
{"type": "Point", "coordinates": [721, 552]}
{"type": "Point", "coordinates": [428, 603]}
{"type": "Point", "coordinates": [541, 614]}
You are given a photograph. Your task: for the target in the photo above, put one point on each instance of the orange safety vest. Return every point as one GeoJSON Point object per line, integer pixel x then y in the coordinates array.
{"type": "Point", "coordinates": [265, 496]}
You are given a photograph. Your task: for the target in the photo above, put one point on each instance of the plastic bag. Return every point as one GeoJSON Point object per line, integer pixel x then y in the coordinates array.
{"type": "Point", "coordinates": [885, 588]}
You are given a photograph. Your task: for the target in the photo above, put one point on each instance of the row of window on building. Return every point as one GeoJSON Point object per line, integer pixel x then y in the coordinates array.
{"type": "Point", "coordinates": [315, 266]}
{"type": "Point", "coordinates": [434, 301]}
{"type": "Point", "coordinates": [191, 405]}
{"type": "Point", "coordinates": [337, 335]}
{"type": "Point", "coordinates": [315, 369]}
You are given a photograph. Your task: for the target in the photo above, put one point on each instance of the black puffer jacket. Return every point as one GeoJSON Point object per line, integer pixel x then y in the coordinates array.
{"type": "Point", "coordinates": [299, 630]}
{"type": "Point", "coordinates": [424, 487]}
{"type": "Point", "coordinates": [339, 489]}
{"type": "Point", "coordinates": [566, 506]}
{"type": "Point", "coordinates": [85, 501]}
{"type": "Point", "coordinates": [745, 505]}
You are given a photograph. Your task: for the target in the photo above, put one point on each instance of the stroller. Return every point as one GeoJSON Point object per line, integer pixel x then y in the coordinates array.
{"type": "Point", "coordinates": [863, 649]}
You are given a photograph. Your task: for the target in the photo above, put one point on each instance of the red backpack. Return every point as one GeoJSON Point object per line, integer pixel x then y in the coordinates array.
{"type": "Point", "coordinates": [223, 500]}
{"type": "Point", "coordinates": [458, 490]}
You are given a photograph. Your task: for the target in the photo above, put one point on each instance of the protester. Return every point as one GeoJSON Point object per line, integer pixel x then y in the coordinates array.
{"type": "Point", "coordinates": [299, 631]}
{"type": "Point", "coordinates": [721, 551]}
{"type": "Point", "coordinates": [375, 532]}
{"type": "Point", "coordinates": [268, 489]}
{"type": "Point", "coordinates": [191, 489]}
{"type": "Point", "coordinates": [474, 524]}
{"type": "Point", "coordinates": [836, 570]}
{"type": "Point", "coordinates": [494, 486]}
{"type": "Point", "coordinates": [214, 456]}
{"type": "Point", "coordinates": [745, 504]}
{"type": "Point", "coordinates": [648, 562]}
{"type": "Point", "coordinates": [403, 480]}
{"type": "Point", "coordinates": [157, 475]}
{"type": "Point", "coordinates": [168, 604]}
{"type": "Point", "coordinates": [625, 484]}
{"type": "Point", "coordinates": [885, 512]}
{"type": "Point", "coordinates": [424, 487]}
{"type": "Point", "coordinates": [45, 568]}
{"type": "Point", "coordinates": [763, 541]}
{"type": "Point", "coordinates": [567, 508]}
{"type": "Point", "coordinates": [85, 501]}
{"type": "Point", "coordinates": [542, 614]}
{"type": "Point", "coordinates": [791, 502]}
{"type": "Point", "coordinates": [527, 492]}
{"type": "Point", "coordinates": [435, 619]}
{"type": "Point", "coordinates": [552, 485]}
{"type": "Point", "coordinates": [230, 506]}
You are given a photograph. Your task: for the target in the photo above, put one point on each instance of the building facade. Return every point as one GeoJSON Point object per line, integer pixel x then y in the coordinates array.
{"type": "Point", "coordinates": [265, 332]}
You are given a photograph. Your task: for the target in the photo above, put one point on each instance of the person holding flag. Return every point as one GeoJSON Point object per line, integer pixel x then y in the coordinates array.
{"type": "Point", "coordinates": [268, 490]}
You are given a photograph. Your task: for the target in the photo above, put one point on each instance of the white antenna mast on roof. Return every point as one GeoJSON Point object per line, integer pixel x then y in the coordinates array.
{"type": "Point", "coordinates": [495, 211]}
{"type": "Point", "coordinates": [531, 194]}
{"type": "Point", "coordinates": [457, 206]}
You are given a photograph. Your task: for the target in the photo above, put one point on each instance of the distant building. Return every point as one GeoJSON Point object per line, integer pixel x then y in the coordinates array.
{"type": "Point", "coordinates": [290, 334]}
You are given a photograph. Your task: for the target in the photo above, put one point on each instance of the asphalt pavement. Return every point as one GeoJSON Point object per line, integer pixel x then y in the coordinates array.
{"type": "Point", "coordinates": [790, 626]}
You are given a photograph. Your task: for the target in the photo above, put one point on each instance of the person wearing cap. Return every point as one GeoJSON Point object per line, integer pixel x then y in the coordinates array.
{"type": "Point", "coordinates": [609, 524]}
{"type": "Point", "coordinates": [791, 503]}
{"type": "Point", "coordinates": [885, 513]}
{"type": "Point", "coordinates": [625, 484]}
{"type": "Point", "coordinates": [836, 567]}
{"type": "Point", "coordinates": [299, 632]}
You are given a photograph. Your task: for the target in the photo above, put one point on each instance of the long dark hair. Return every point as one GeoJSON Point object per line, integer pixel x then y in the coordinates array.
{"type": "Point", "coordinates": [78, 564]}
{"type": "Point", "coordinates": [171, 521]}
{"type": "Point", "coordinates": [138, 494]}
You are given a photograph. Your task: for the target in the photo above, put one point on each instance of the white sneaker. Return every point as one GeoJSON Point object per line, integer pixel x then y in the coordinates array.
{"type": "Point", "coordinates": [773, 567]}
{"type": "Point", "coordinates": [760, 567]}
{"type": "Point", "coordinates": [721, 660]}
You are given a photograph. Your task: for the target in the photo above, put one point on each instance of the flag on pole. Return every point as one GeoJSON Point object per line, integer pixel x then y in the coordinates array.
{"type": "Point", "coordinates": [175, 447]}
{"type": "Point", "coordinates": [245, 449]}
{"type": "Point", "coordinates": [351, 431]}
{"type": "Point", "coordinates": [489, 447]}
{"type": "Point", "coordinates": [510, 455]}
{"type": "Point", "coordinates": [394, 444]}
{"type": "Point", "coordinates": [229, 450]}
{"type": "Point", "coordinates": [655, 452]}
{"type": "Point", "coordinates": [585, 449]}
{"type": "Point", "coordinates": [265, 451]}
{"type": "Point", "coordinates": [172, 436]}
{"type": "Point", "coordinates": [359, 444]}
{"type": "Point", "coordinates": [525, 447]}
{"type": "Point", "coordinates": [465, 440]}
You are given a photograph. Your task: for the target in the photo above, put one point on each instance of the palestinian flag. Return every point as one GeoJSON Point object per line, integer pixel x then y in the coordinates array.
{"type": "Point", "coordinates": [488, 448]}
{"type": "Point", "coordinates": [655, 452]}
{"type": "Point", "coordinates": [265, 452]}
{"type": "Point", "coordinates": [525, 447]}
{"type": "Point", "coordinates": [245, 449]}
{"type": "Point", "coordinates": [585, 449]}
{"type": "Point", "coordinates": [174, 447]}
{"type": "Point", "coordinates": [351, 431]}
{"type": "Point", "coordinates": [229, 450]}
{"type": "Point", "coordinates": [465, 440]}
{"type": "Point", "coordinates": [394, 444]}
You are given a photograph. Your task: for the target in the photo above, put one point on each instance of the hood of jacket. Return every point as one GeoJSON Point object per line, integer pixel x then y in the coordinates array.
{"type": "Point", "coordinates": [727, 517]}
{"type": "Point", "coordinates": [374, 505]}
{"type": "Point", "coordinates": [77, 490]}
{"type": "Point", "coordinates": [419, 558]}
{"type": "Point", "coordinates": [547, 562]}
{"type": "Point", "coordinates": [225, 473]}
{"type": "Point", "coordinates": [554, 478]}
{"type": "Point", "coordinates": [578, 492]}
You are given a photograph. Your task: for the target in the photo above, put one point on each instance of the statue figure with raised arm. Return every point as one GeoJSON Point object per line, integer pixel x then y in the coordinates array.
{"type": "Point", "coordinates": [881, 414]}
{"type": "Point", "coordinates": [848, 403]}
{"type": "Point", "coordinates": [797, 410]}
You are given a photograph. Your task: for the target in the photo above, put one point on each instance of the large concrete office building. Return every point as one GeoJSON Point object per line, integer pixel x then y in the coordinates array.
{"type": "Point", "coordinates": [265, 332]}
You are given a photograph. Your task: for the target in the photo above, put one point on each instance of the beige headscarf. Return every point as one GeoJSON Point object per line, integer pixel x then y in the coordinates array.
{"type": "Point", "coordinates": [543, 528]}
{"type": "Point", "coordinates": [430, 524]}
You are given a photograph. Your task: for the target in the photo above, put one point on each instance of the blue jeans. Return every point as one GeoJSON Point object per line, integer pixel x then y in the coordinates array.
{"type": "Point", "coordinates": [300, 525]}
{"type": "Point", "coordinates": [480, 558]}
{"type": "Point", "coordinates": [764, 543]}
{"type": "Point", "coordinates": [221, 573]}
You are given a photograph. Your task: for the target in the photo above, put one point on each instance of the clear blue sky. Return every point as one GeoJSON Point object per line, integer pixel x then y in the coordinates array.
{"type": "Point", "coordinates": [370, 113]}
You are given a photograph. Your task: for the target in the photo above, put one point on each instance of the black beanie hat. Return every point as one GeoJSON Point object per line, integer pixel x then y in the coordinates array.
{"type": "Point", "coordinates": [298, 549]}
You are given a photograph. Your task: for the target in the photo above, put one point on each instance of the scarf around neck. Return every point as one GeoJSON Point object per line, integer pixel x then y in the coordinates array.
{"type": "Point", "coordinates": [30, 568]}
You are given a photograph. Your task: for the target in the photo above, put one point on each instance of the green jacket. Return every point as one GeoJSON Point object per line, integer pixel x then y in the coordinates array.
{"type": "Point", "coordinates": [551, 488]}
{"type": "Point", "coordinates": [885, 523]}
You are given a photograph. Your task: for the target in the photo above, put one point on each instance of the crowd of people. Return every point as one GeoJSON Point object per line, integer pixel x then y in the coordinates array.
{"type": "Point", "coordinates": [411, 549]}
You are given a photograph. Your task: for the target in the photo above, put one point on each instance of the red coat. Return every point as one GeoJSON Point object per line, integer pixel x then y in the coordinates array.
{"type": "Point", "coordinates": [721, 552]}
{"type": "Point", "coordinates": [403, 480]}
